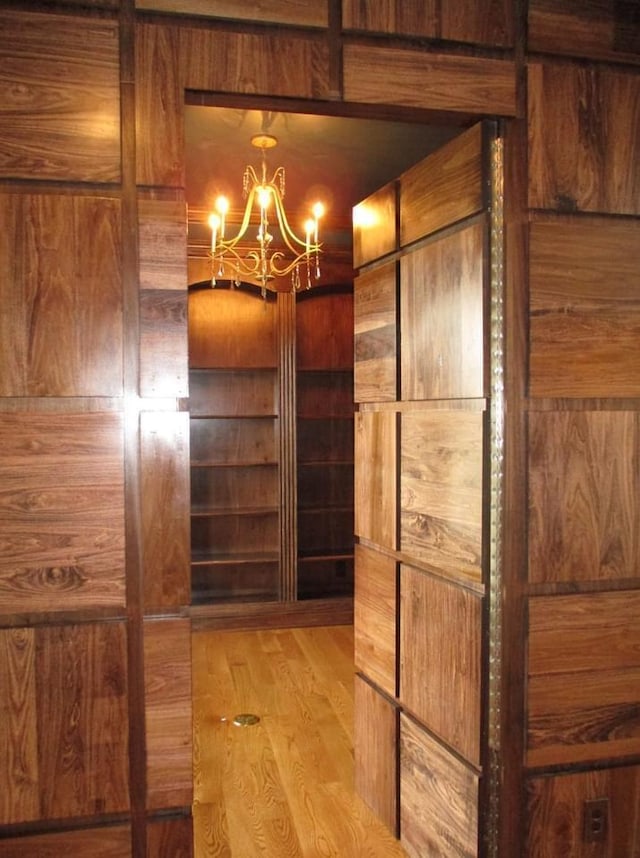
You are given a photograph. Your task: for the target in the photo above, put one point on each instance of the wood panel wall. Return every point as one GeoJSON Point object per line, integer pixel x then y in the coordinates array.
{"type": "Point", "coordinates": [421, 567]}
{"type": "Point", "coordinates": [93, 363]}
{"type": "Point", "coordinates": [583, 395]}
{"type": "Point", "coordinates": [96, 711]}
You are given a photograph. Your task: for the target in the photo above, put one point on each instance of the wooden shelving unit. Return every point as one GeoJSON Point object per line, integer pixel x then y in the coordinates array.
{"type": "Point", "coordinates": [271, 416]}
{"type": "Point", "coordinates": [235, 491]}
{"type": "Point", "coordinates": [324, 420]}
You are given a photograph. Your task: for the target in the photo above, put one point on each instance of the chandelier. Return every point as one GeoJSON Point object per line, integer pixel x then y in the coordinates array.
{"type": "Point", "coordinates": [232, 259]}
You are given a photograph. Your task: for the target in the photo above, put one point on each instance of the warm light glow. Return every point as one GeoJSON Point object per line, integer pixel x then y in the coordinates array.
{"type": "Point", "coordinates": [286, 254]}
{"type": "Point", "coordinates": [222, 205]}
{"type": "Point", "coordinates": [264, 197]}
{"type": "Point", "coordinates": [364, 216]}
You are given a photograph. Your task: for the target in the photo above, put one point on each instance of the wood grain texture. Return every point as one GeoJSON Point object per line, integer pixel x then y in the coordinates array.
{"type": "Point", "coordinates": [162, 244]}
{"type": "Point", "coordinates": [164, 347]}
{"type": "Point", "coordinates": [60, 108]}
{"type": "Point", "coordinates": [233, 393]}
{"type": "Point", "coordinates": [442, 318]}
{"type": "Point", "coordinates": [440, 643]}
{"type": "Point", "coordinates": [584, 672]}
{"type": "Point", "coordinates": [245, 533]}
{"type": "Point", "coordinates": [324, 330]}
{"type": "Point", "coordinates": [285, 786]}
{"type": "Point", "coordinates": [234, 488]}
{"type": "Point", "coordinates": [585, 308]}
{"type": "Point", "coordinates": [374, 226]}
{"type": "Point", "coordinates": [586, 632]}
{"type": "Point", "coordinates": [441, 491]}
{"type": "Point", "coordinates": [62, 522]}
{"type": "Point", "coordinates": [444, 188]}
{"type": "Point", "coordinates": [375, 752]}
{"type": "Point", "coordinates": [18, 727]}
{"type": "Point", "coordinates": [584, 490]}
{"type": "Point", "coordinates": [241, 441]}
{"type": "Point", "coordinates": [113, 841]}
{"type": "Point", "coordinates": [61, 329]}
{"type": "Point", "coordinates": [159, 104]}
{"type": "Point", "coordinates": [164, 500]}
{"type": "Point", "coordinates": [580, 717]}
{"type": "Point", "coordinates": [439, 798]}
{"type": "Point", "coordinates": [409, 78]}
{"type": "Point", "coordinates": [277, 64]}
{"type": "Point", "coordinates": [375, 617]}
{"type": "Point", "coordinates": [295, 12]}
{"type": "Point", "coordinates": [582, 156]}
{"type": "Point", "coordinates": [487, 22]}
{"type": "Point", "coordinates": [167, 680]}
{"type": "Point", "coordinates": [375, 478]}
{"type": "Point", "coordinates": [231, 329]}
{"type": "Point", "coordinates": [593, 29]}
{"type": "Point", "coordinates": [170, 837]}
{"type": "Point", "coordinates": [375, 358]}
{"type": "Point", "coordinates": [81, 681]}
{"type": "Point", "coordinates": [556, 814]}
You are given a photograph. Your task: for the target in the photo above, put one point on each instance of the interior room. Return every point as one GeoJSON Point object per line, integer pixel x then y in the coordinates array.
{"type": "Point", "coordinates": [457, 619]}
{"type": "Point", "coordinates": [249, 568]}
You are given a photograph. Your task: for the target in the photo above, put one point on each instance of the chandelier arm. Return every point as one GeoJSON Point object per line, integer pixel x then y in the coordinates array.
{"type": "Point", "coordinates": [288, 235]}
{"type": "Point", "coordinates": [281, 272]}
{"type": "Point", "coordinates": [230, 243]}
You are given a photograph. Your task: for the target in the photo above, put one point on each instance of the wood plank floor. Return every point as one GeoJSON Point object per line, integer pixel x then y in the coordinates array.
{"type": "Point", "coordinates": [284, 787]}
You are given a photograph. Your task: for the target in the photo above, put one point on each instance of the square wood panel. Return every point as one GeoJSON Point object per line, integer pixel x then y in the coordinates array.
{"type": "Point", "coordinates": [584, 496]}
{"type": "Point", "coordinates": [165, 498]}
{"type": "Point", "coordinates": [61, 329]}
{"type": "Point", "coordinates": [439, 797]}
{"type": "Point", "coordinates": [444, 188]}
{"type": "Point", "coordinates": [584, 307]}
{"type": "Point", "coordinates": [441, 490]}
{"type": "Point", "coordinates": [584, 677]}
{"type": "Point", "coordinates": [167, 653]}
{"type": "Point", "coordinates": [60, 106]}
{"type": "Point", "coordinates": [375, 478]}
{"type": "Point", "coordinates": [574, 169]}
{"type": "Point", "coordinates": [376, 752]}
{"type": "Point", "coordinates": [374, 226]}
{"type": "Point", "coordinates": [63, 731]}
{"type": "Point", "coordinates": [62, 501]}
{"type": "Point", "coordinates": [375, 620]}
{"type": "Point", "coordinates": [375, 353]}
{"type": "Point", "coordinates": [557, 804]}
{"type": "Point", "coordinates": [440, 652]}
{"type": "Point", "coordinates": [442, 317]}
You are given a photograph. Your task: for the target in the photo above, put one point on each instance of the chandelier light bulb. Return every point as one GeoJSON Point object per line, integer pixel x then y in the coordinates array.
{"type": "Point", "coordinates": [264, 197]}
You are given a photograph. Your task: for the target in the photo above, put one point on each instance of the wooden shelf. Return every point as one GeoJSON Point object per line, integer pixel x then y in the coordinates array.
{"type": "Point", "coordinates": [234, 559]}
{"type": "Point", "coordinates": [227, 511]}
{"type": "Point", "coordinates": [243, 448]}
{"type": "Point", "coordinates": [246, 463]}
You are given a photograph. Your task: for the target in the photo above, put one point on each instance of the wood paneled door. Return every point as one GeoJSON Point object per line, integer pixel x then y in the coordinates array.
{"type": "Point", "coordinates": [428, 493]}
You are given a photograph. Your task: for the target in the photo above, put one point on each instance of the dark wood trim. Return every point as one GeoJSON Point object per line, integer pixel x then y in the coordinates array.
{"type": "Point", "coordinates": [266, 615]}
{"type": "Point", "coordinates": [133, 522]}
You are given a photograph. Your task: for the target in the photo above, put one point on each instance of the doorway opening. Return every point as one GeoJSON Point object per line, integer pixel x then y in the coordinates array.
{"type": "Point", "coordinates": [345, 159]}
{"type": "Point", "coordinates": [272, 510]}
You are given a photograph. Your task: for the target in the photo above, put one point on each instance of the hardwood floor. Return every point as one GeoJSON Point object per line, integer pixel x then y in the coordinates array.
{"type": "Point", "coordinates": [282, 788]}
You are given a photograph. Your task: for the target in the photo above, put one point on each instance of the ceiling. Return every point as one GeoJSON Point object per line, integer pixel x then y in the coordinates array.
{"type": "Point", "coordinates": [336, 159]}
